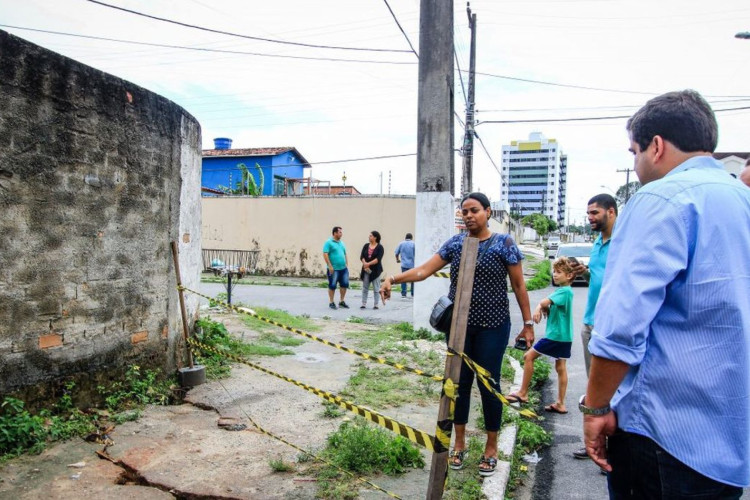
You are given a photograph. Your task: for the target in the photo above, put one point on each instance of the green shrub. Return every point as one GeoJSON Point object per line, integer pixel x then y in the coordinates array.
{"type": "Point", "coordinates": [543, 276]}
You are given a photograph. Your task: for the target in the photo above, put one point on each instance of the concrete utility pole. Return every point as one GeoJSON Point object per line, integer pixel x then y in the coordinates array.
{"type": "Point", "coordinates": [627, 182]}
{"type": "Point", "coordinates": [468, 146]}
{"type": "Point", "coordinates": [435, 168]}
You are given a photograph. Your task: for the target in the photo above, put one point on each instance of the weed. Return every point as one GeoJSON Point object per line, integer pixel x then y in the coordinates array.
{"type": "Point", "coordinates": [220, 297]}
{"type": "Point", "coordinates": [507, 372]}
{"type": "Point", "coordinates": [331, 410]}
{"type": "Point", "coordinates": [543, 276]}
{"type": "Point", "coordinates": [465, 484]}
{"type": "Point", "coordinates": [283, 317]}
{"type": "Point", "coordinates": [354, 319]}
{"type": "Point", "coordinates": [278, 465]}
{"type": "Point", "coordinates": [285, 340]}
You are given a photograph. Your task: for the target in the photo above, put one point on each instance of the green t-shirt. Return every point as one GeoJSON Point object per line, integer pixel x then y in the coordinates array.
{"type": "Point", "coordinates": [336, 251]}
{"type": "Point", "coordinates": [560, 319]}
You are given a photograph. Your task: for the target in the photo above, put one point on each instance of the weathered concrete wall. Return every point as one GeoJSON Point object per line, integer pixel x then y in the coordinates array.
{"type": "Point", "coordinates": [290, 232]}
{"type": "Point", "coordinates": [97, 175]}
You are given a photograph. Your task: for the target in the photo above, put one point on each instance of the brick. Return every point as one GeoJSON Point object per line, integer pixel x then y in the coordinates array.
{"type": "Point", "coordinates": [186, 238]}
{"type": "Point", "coordinates": [50, 340]}
{"type": "Point", "coordinates": [139, 337]}
{"type": "Point", "coordinates": [165, 332]}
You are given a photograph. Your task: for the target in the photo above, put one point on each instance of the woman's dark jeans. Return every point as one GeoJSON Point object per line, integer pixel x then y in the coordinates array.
{"type": "Point", "coordinates": [486, 347]}
{"type": "Point", "coordinates": [642, 469]}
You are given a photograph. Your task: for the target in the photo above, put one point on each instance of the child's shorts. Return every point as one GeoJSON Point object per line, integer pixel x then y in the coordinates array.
{"type": "Point", "coordinates": [553, 348]}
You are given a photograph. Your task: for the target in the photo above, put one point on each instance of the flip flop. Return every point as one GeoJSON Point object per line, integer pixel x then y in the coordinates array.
{"type": "Point", "coordinates": [490, 464]}
{"type": "Point", "coordinates": [456, 459]}
{"type": "Point", "coordinates": [515, 398]}
{"type": "Point", "coordinates": [552, 408]}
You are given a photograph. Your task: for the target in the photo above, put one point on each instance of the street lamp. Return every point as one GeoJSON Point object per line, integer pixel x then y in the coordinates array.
{"type": "Point", "coordinates": [744, 35]}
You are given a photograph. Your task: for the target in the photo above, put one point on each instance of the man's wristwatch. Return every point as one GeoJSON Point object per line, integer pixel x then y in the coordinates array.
{"type": "Point", "coordinates": [597, 412]}
{"type": "Point", "coordinates": [529, 322]}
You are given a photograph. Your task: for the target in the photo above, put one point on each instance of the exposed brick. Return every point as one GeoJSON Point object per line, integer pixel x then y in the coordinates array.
{"type": "Point", "coordinates": [186, 238]}
{"type": "Point", "coordinates": [50, 340]}
{"type": "Point", "coordinates": [165, 332]}
{"type": "Point", "coordinates": [139, 337]}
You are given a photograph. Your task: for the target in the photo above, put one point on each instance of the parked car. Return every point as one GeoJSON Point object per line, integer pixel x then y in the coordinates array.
{"type": "Point", "coordinates": [553, 242]}
{"type": "Point", "coordinates": [582, 253]}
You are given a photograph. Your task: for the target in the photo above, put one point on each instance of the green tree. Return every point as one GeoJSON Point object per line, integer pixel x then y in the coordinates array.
{"type": "Point", "coordinates": [246, 185]}
{"type": "Point", "coordinates": [539, 223]}
{"type": "Point", "coordinates": [626, 191]}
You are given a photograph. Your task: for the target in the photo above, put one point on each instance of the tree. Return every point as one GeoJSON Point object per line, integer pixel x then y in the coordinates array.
{"type": "Point", "coordinates": [539, 223]}
{"type": "Point", "coordinates": [246, 185]}
{"type": "Point", "coordinates": [626, 191]}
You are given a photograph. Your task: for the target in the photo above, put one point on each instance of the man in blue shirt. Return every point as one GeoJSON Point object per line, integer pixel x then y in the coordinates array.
{"type": "Point", "coordinates": [667, 409]}
{"type": "Point", "coordinates": [602, 214]}
{"type": "Point", "coordinates": [405, 256]}
{"type": "Point", "coordinates": [337, 267]}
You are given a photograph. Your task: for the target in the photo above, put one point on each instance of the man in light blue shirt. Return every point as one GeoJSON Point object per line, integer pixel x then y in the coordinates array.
{"type": "Point", "coordinates": [405, 256]}
{"type": "Point", "coordinates": [671, 341]}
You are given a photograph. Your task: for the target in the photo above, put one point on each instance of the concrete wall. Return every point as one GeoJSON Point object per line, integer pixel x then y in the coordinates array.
{"type": "Point", "coordinates": [290, 231]}
{"type": "Point", "coordinates": [97, 176]}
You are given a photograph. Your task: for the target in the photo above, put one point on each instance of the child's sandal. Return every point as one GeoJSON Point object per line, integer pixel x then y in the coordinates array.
{"type": "Point", "coordinates": [456, 459]}
{"type": "Point", "coordinates": [490, 464]}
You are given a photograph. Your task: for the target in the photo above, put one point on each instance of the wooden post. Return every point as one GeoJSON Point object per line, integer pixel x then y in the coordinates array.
{"type": "Point", "coordinates": [185, 330]}
{"type": "Point", "coordinates": [439, 468]}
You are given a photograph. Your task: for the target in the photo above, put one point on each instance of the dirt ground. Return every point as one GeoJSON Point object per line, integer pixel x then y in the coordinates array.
{"type": "Point", "coordinates": [182, 451]}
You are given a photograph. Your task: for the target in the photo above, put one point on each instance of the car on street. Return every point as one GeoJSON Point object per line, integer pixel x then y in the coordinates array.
{"type": "Point", "coordinates": [553, 242]}
{"type": "Point", "coordinates": [582, 253]}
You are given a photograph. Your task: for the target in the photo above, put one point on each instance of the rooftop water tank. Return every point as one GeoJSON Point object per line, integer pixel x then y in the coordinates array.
{"type": "Point", "coordinates": [222, 143]}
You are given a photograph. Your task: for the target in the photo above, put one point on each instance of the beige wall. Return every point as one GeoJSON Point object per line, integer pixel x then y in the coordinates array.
{"type": "Point", "coordinates": [290, 231]}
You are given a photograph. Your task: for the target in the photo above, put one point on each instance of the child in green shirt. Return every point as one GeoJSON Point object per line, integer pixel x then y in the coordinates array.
{"type": "Point", "coordinates": [558, 309]}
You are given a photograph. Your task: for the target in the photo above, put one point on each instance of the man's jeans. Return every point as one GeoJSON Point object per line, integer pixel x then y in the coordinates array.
{"type": "Point", "coordinates": [644, 470]}
{"type": "Point", "coordinates": [403, 285]}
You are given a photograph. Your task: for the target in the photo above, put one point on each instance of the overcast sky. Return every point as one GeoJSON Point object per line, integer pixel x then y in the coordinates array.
{"type": "Point", "coordinates": [623, 52]}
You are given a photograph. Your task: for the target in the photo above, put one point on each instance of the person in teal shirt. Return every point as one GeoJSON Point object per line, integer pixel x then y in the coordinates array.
{"type": "Point", "coordinates": [558, 308]}
{"type": "Point", "coordinates": [337, 267]}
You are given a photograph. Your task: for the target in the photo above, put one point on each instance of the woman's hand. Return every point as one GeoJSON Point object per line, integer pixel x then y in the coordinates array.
{"type": "Point", "coordinates": [528, 334]}
{"type": "Point", "coordinates": [385, 289]}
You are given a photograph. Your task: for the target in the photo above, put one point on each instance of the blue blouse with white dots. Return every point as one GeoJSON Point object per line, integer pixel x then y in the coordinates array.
{"type": "Point", "coordinates": [489, 298]}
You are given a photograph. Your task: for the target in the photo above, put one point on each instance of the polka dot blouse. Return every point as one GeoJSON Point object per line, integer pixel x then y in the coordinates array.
{"type": "Point", "coordinates": [489, 299]}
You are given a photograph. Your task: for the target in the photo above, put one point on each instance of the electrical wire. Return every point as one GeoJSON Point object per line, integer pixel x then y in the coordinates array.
{"type": "Point", "coordinates": [402, 29]}
{"type": "Point", "coordinates": [481, 143]}
{"type": "Point", "coordinates": [203, 49]}
{"type": "Point", "coordinates": [588, 118]}
{"type": "Point", "coordinates": [315, 163]}
{"type": "Point", "coordinates": [239, 35]}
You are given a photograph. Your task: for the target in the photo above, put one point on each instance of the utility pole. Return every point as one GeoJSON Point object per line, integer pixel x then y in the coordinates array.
{"type": "Point", "coordinates": [468, 146]}
{"type": "Point", "coordinates": [627, 182]}
{"type": "Point", "coordinates": [435, 172]}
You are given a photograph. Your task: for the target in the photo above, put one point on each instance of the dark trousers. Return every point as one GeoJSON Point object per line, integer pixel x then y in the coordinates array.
{"type": "Point", "coordinates": [485, 346]}
{"type": "Point", "coordinates": [642, 469]}
{"type": "Point", "coordinates": [403, 285]}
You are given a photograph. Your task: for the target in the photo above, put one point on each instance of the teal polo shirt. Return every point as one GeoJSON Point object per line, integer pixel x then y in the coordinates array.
{"type": "Point", "coordinates": [336, 251]}
{"type": "Point", "coordinates": [597, 263]}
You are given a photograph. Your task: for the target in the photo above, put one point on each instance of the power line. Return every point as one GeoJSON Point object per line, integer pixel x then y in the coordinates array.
{"type": "Point", "coordinates": [315, 163]}
{"type": "Point", "coordinates": [481, 143]}
{"type": "Point", "coordinates": [238, 35]}
{"type": "Point", "coordinates": [402, 29]}
{"type": "Point", "coordinates": [585, 108]}
{"type": "Point", "coordinates": [203, 49]}
{"type": "Point", "coordinates": [588, 118]}
{"type": "Point", "coordinates": [583, 87]}
{"type": "Point", "coordinates": [460, 77]}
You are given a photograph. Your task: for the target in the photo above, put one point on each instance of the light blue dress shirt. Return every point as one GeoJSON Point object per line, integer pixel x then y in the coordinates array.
{"type": "Point", "coordinates": [675, 306]}
{"type": "Point", "coordinates": [597, 263]}
{"type": "Point", "coordinates": [406, 250]}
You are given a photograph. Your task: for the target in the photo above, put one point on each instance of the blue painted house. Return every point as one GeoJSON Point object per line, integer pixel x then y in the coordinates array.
{"type": "Point", "coordinates": [282, 169]}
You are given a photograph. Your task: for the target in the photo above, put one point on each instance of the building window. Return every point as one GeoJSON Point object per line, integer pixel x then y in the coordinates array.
{"type": "Point", "coordinates": [278, 186]}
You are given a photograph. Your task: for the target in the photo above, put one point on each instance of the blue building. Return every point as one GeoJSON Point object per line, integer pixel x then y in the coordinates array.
{"type": "Point", "coordinates": [282, 169]}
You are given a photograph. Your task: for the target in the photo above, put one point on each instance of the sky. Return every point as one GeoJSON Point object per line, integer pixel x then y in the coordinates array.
{"type": "Point", "coordinates": [536, 60]}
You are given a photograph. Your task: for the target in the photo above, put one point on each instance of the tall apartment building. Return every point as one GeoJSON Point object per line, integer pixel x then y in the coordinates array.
{"type": "Point", "coordinates": [534, 177]}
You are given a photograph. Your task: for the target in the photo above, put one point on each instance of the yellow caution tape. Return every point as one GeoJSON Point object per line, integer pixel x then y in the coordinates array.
{"type": "Point", "coordinates": [364, 355]}
{"type": "Point", "coordinates": [414, 435]}
{"type": "Point", "coordinates": [440, 274]}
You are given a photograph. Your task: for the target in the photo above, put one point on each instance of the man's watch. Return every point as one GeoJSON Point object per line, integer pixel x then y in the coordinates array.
{"type": "Point", "coordinates": [529, 322]}
{"type": "Point", "coordinates": [597, 412]}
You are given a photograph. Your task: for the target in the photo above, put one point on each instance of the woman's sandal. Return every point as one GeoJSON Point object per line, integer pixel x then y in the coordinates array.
{"type": "Point", "coordinates": [490, 464]}
{"type": "Point", "coordinates": [456, 459]}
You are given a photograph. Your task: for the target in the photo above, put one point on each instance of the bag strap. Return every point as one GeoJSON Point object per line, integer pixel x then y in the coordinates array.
{"type": "Point", "coordinates": [483, 250]}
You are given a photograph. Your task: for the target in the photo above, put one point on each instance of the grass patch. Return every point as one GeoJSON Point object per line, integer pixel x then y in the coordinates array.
{"type": "Point", "coordinates": [354, 319]}
{"type": "Point", "coordinates": [278, 465]}
{"type": "Point", "coordinates": [465, 484]}
{"type": "Point", "coordinates": [283, 317]}
{"type": "Point", "coordinates": [215, 334]}
{"type": "Point", "coordinates": [507, 372]}
{"type": "Point", "coordinates": [543, 276]}
{"type": "Point", "coordinates": [24, 432]}
{"type": "Point", "coordinates": [363, 449]}
{"type": "Point", "coordinates": [331, 410]}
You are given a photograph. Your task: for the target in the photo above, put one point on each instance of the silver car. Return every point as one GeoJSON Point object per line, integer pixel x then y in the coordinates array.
{"type": "Point", "coordinates": [582, 253]}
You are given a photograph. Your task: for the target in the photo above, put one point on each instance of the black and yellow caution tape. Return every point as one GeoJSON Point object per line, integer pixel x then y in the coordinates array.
{"type": "Point", "coordinates": [364, 355]}
{"type": "Point", "coordinates": [441, 274]}
{"type": "Point", "coordinates": [482, 374]}
{"type": "Point", "coordinates": [414, 435]}
{"type": "Point", "coordinates": [311, 454]}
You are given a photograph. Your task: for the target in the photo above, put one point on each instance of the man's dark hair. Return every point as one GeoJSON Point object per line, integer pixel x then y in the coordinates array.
{"type": "Point", "coordinates": [376, 235]}
{"type": "Point", "coordinates": [335, 229]}
{"type": "Point", "coordinates": [605, 201]}
{"type": "Point", "coordinates": [409, 236]}
{"type": "Point", "coordinates": [683, 118]}
{"type": "Point", "coordinates": [480, 197]}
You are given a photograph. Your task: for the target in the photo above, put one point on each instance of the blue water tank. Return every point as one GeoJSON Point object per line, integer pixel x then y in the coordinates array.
{"type": "Point", "coordinates": [222, 143]}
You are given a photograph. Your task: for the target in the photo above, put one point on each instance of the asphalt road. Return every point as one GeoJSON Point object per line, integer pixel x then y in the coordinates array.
{"type": "Point", "coordinates": [558, 475]}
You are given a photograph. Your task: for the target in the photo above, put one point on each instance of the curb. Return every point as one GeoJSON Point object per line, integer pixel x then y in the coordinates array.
{"type": "Point", "coordinates": [494, 486]}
